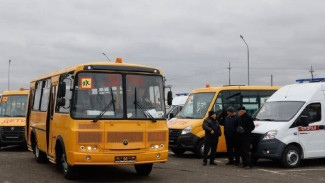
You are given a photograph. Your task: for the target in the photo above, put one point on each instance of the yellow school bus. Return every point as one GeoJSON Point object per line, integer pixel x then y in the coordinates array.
{"type": "Point", "coordinates": [12, 118]}
{"type": "Point", "coordinates": [98, 114]}
{"type": "Point", "coordinates": [186, 132]}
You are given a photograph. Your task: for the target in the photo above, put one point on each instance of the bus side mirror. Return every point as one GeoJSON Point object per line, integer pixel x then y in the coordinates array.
{"type": "Point", "coordinates": [170, 98]}
{"type": "Point", "coordinates": [61, 90]}
{"type": "Point", "coordinates": [303, 121]}
{"type": "Point", "coordinates": [60, 102]}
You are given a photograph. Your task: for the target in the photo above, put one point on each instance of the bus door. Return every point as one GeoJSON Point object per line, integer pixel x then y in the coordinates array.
{"type": "Point", "coordinates": [49, 122]}
{"type": "Point", "coordinates": [40, 110]}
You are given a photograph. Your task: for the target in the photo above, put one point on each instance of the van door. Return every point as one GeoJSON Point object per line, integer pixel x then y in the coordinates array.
{"type": "Point", "coordinates": [312, 137]}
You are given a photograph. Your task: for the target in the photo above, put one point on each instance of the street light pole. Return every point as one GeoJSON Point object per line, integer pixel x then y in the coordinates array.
{"type": "Point", "coordinates": [242, 37]}
{"type": "Point", "coordinates": [9, 75]}
{"type": "Point", "coordinates": [106, 57]}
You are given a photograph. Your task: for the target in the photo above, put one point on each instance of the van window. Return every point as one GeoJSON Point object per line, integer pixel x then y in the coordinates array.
{"type": "Point", "coordinates": [313, 112]}
{"type": "Point", "coordinates": [197, 105]}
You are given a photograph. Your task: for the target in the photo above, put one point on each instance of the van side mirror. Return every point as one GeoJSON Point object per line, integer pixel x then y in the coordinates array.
{"type": "Point", "coordinates": [171, 116]}
{"type": "Point", "coordinates": [61, 90]}
{"type": "Point", "coordinates": [303, 121]}
{"type": "Point", "coordinates": [170, 98]}
{"type": "Point", "coordinates": [60, 102]}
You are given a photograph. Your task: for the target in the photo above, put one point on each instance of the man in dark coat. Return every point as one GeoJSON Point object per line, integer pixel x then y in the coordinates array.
{"type": "Point", "coordinates": [230, 130]}
{"type": "Point", "coordinates": [245, 127]}
{"type": "Point", "coordinates": [212, 134]}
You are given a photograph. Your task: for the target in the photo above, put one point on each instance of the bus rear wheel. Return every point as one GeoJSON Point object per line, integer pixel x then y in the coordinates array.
{"type": "Point", "coordinates": [69, 172]}
{"type": "Point", "coordinates": [143, 169]}
{"type": "Point", "coordinates": [40, 156]}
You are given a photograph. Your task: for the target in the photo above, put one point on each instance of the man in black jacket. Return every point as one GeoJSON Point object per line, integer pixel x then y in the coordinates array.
{"type": "Point", "coordinates": [212, 133]}
{"type": "Point", "coordinates": [245, 127]}
{"type": "Point", "coordinates": [230, 129]}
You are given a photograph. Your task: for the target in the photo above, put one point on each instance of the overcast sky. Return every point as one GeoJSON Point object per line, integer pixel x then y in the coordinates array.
{"type": "Point", "coordinates": [192, 42]}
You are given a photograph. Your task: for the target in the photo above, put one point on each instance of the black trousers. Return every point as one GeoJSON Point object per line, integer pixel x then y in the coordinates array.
{"type": "Point", "coordinates": [245, 152]}
{"type": "Point", "coordinates": [210, 144]}
{"type": "Point", "coordinates": [232, 149]}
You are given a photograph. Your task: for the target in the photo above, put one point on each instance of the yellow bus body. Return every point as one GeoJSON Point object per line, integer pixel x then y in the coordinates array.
{"type": "Point", "coordinates": [12, 128]}
{"type": "Point", "coordinates": [197, 133]}
{"type": "Point", "coordinates": [79, 137]}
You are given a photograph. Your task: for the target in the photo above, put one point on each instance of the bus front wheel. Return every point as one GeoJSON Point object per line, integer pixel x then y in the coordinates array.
{"type": "Point", "coordinates": [69, 172]}
{"type": "Point", "coordinates": [143, 169]}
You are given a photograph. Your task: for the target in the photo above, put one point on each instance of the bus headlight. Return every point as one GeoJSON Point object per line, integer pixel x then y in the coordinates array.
{"type": "Point", "coordinates": [187, 130]}
{"type": "Point", "coordinates": [270, 135]}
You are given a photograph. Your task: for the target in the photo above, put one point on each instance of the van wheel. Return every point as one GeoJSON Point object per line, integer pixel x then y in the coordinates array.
{"type": "Point", "coordinates": [40, 156]}
{"type": "Point", "coordinates": [291, 157]}
{"type": "Point", "coordinates": [200, 149]}
{"type": "Point", "coordinates": [143, 169]}
{"type": "Point", "coordinates": [254, 159]}
{"type": "Point", "coordinates": [178, 152]}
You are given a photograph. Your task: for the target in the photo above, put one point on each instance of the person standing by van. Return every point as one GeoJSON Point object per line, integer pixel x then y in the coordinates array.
{"type": "Point", "coordinates": [230, 129]}
{"type": "Point", "coordinates": [244, 130]}
{"type": "Point", "coordinates": [212, 134]}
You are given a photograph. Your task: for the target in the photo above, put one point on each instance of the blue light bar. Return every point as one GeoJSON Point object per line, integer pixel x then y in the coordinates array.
{"type": "Point", "coordinates": [182, 94]}
{"type": "Point", "coordinates": [311, 80]}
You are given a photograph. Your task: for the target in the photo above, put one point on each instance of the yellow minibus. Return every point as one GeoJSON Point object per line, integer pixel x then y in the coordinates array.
{"type": "Point", "coordinates": [12, 118]}
{"type": "Point", "coordinates": [98, 114]}
{"type": "Point", "coordinates": [186, 132]}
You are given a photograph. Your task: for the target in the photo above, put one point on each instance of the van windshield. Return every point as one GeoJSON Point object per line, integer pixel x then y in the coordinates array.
{"type": "Point", "coordinates": [197, 105]}
{"type": "Point", "coordinates": [13, 106]}
{"type": "Point", "coordinates": [278, 111]}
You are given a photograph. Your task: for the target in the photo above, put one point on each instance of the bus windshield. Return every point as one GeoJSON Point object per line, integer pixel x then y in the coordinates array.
{"type": "Point", "coordinates": [13, 106]}
{"type": "Point", "coordinates": [104, 95]}
{"type": "Point", "coordinates": [197, 105]}
{"type": "Point", "coordinates": [278, 111]}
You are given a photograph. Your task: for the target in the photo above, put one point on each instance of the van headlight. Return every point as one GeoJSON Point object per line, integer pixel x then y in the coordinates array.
{"type": "Point", "coordinates": [270, 135]}
{"type": "Point", "coordinates": [187, 130]}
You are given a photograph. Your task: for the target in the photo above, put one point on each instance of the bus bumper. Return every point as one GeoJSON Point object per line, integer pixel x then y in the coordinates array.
{"type": "Point", "coordinates": [78, 158]}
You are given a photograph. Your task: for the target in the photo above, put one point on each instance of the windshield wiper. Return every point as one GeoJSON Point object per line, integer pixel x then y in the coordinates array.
{"type": "Point", "coordinates": [265, 119]}
{"type": "Point", "coordinates": [145, 111]}
{"type": "Point", "coordinates": [107, 107]}
{"type": "Point", "coordinates": [104, 110]}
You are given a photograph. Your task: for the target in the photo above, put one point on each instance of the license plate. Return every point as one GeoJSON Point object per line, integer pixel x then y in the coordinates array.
{"type": "Point", "coordinates": [125, 159]}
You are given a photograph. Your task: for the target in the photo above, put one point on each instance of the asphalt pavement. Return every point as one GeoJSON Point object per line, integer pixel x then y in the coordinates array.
{"type": "Point", "coordinates": [19, 166]}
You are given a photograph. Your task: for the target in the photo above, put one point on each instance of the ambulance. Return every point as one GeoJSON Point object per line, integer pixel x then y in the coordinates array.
{"type": "Point", "coordinates": [290, 126]}
{"type": "Point", "coordinates": [12, 118]}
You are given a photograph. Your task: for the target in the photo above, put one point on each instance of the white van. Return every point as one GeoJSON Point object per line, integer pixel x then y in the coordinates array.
{"type": "Point", "coordinates": [177, 105]}
{"type": "Point", "coordinates": [290, 125]}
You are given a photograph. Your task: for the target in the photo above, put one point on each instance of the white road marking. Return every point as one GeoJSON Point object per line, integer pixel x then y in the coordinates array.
{"type": "Point", "coordinates": [302, 170]}
{"type": "Point", "coordinates": [269, 171]}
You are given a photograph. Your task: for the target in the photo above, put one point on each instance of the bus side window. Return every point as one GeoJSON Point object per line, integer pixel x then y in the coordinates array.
{"type": "Point", "coordinates": [37, 96]}
{"type": "Point", "coordinates": [67, 79]}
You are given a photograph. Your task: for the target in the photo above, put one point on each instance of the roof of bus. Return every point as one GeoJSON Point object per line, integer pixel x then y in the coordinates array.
{"type": "Point", "coordinates": [81, 67]}
{"type": "Point", "coordinates": [15, 92]}
{"type": "Point", "coordinates": [216, 89]}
